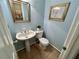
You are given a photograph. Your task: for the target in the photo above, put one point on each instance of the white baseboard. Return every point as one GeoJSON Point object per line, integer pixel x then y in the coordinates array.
{"type": "Point", "coordinates": [24, 47]}
{"type": "Point", "coordinates": [55, 47]}
{"type": "Point", "coordinates": [35, 42]}
{"type": "Point", "coordinates": [20, 49]}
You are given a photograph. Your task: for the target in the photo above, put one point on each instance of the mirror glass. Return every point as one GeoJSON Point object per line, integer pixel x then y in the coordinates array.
{"type": "Point", "coordinates": [20, 11]}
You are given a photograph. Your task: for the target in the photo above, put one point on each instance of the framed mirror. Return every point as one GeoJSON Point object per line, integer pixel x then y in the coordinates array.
{"type": "Point", "coordinates": [20, 11]}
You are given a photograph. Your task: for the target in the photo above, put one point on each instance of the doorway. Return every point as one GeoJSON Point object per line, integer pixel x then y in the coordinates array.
{"type": "Point", "coordinates": [71, 45]}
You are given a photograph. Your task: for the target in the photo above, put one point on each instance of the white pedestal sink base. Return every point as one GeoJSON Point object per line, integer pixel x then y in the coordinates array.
{"type": "Point", "coordinates": [27, 45]}
{"type": "Point", "coordinates": [25, 36]}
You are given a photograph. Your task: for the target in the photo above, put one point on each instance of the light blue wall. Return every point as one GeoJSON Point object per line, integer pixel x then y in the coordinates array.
{"type": "Point", "coordinates": [56, 31]}
{"type": "Point", "coordinates": [37, 18]}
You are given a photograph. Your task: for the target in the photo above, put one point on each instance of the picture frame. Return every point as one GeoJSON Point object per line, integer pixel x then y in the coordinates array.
{"type": "Point", "coordinates": [58, 12]}
{"type": "Point", "coordinates": [20, 10]}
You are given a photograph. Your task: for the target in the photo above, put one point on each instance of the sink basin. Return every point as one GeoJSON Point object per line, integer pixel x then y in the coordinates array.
{"type": "Point", "coordinates": [24, 35]}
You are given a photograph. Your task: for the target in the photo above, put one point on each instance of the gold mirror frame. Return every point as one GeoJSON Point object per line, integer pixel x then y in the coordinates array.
{"type": "Point", "coordinates": [17, 13]}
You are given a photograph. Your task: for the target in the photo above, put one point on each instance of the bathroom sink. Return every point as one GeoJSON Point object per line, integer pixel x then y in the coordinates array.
{"type": "Point", "coordinates": [24, 35]}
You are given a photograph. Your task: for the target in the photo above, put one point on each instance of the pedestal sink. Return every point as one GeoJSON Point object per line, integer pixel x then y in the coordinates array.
{"type": "Point", "coordinates": [26, 35]}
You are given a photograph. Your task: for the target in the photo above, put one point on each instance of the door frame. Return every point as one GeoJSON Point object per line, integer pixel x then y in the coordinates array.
{"type": "Point", "coordinates": [71, 37]}
{"type": "Point", "coordinates": [8, 42]}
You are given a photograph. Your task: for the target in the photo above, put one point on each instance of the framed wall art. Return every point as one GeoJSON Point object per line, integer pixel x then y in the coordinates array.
{"type": "Point", "coordinates": [58, 12]}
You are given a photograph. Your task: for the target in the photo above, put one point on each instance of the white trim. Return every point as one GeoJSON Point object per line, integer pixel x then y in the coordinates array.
{"type": "Point", "coordinates": [24, 47]}
{"type": "Point", "coordinates": [20, 49]}
{"type": "Point", "coordinates": [7, 36]}
{"type": "Point", "coordinates": [55, 47]}
{"type": "Point", "coordinates": [71, 37]}
{"type": "Point", "coordinates": [16, 41]}
{"type": "Point", "coordinates": [35, 42]}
